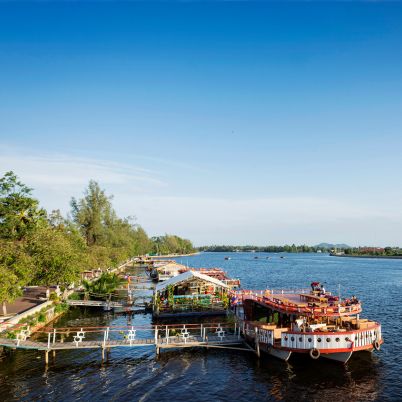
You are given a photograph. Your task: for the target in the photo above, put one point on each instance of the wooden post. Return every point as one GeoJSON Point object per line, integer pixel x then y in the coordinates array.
{"type": "Point", "coordinates": [54, 335]}
{"type": "Point", "coordinates": [46, 357]}
{"type": "Point", "coordinates": [54, 354]}
{"type": "Point", "coordinates": [156, 340]}
{"type": "Point", "coordinates": [257, 342]}
{"type": "Point", "coordinates": [202, 330]}
{"type": "Point", "coordinates": [103, 353]}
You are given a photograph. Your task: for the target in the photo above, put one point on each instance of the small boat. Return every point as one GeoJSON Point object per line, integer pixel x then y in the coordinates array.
{"type": "Point", "coordinates": [227, 258]}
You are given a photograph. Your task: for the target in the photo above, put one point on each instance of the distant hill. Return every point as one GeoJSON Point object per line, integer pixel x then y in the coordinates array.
{"type": "Point", "coordinates": [330, 246]}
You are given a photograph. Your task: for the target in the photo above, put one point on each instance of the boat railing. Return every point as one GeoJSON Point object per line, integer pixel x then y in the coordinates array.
{"type": "Point", "coordinates": [289, 307]}
{"type": "Point", "coordinates": [272, 292]}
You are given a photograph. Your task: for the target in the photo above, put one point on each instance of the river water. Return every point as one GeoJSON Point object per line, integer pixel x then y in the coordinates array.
{"type": "Point", "coordinates": [219, 375]}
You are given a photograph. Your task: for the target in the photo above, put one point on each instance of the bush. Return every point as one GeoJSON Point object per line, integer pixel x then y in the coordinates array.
{"type": "Point", "coordinates": [42, 317]}
{"type": "Point", "coordinates": [74, 296]}
{"type": "Point", "coordinates": [24, 320]}
{"type": "Point", "coordinates": [60, 308]}
{"type": "Point", "coordinates": [11, 335]}
{"type": "Point", "coordinates": [53, 297]}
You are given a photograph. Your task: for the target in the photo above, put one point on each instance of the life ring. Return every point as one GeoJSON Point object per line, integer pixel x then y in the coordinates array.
{"type": "Point", "coordinates": [376, 345]}
{"type": "Point", "coordinates": [314, 353]}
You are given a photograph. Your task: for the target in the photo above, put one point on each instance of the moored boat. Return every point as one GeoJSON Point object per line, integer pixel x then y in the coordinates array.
{"type": "Point", "coordinates": [314, 323]}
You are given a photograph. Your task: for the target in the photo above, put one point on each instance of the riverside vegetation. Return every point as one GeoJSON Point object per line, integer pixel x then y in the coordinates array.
{"type": "Point", "coordinates": [40, 248]}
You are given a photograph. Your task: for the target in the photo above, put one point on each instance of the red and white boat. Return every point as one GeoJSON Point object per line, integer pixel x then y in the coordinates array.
{"type": "Point", "coordinates": [314, 323]}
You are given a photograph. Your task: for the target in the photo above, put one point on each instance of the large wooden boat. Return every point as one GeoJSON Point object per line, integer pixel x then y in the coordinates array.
{"type": "Point", "coordinates": [314, 323]}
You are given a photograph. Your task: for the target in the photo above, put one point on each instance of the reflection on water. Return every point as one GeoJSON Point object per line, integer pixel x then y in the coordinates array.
{"type": "Point", "coordinates": [203, 375]}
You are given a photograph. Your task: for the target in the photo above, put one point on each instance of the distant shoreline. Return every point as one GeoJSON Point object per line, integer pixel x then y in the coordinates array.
{"type": "Point", "coordinates": [174, 255]}
{"type": "Point", "coordinates": [392, 257]}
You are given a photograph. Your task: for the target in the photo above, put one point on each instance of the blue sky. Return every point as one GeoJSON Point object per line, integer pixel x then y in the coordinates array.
{"type": "Point", "coordinates": [224, 122]}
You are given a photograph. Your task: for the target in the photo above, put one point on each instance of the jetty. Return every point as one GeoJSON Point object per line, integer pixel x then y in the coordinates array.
{"type": "Point", "coordinates": [175, 336]}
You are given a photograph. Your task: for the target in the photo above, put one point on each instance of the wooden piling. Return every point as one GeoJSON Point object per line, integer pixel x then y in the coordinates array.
{"type": "Point", "coordinates": [156, 340]}
{"type": "Point", "coordinates": [257, 342]}
{"type": "Point", "coordinates": [46, 357]}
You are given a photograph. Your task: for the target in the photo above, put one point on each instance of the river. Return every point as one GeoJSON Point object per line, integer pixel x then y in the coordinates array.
{"type": "Point", "coordinates": [219, 375]}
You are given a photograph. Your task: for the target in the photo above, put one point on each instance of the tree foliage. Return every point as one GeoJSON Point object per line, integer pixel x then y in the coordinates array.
{"type": "Point", "coordinates": [106, 284]}
{"type": "Point", "coordinates": [36, 248]}
{"type": "Point", "coordinates": [58, 257]}
{"type": "Point", "coordinates": [16, 270]}
{"type": "Point", "coordinates": [171, 244]}
{"type": "Point", "coordinates": [92, 214]}
{"type": "Point", "coordinates": [19, 212]}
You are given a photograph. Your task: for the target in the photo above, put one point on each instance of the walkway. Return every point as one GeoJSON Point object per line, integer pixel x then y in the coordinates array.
{"type": "Point", "coordinates": [105, 338]}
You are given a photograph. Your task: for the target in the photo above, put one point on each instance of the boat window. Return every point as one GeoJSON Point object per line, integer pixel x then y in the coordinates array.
{"type": "Point", "coordinates": [318, 339]}
{"type": "Point", "coordinates": [328, 339]}
{"type": "Point", "coordinates": [292, 338]}
{"type": "Point", "coordinates": [310, 340]}
{"type": "Point", "coordinates": [300, 339]}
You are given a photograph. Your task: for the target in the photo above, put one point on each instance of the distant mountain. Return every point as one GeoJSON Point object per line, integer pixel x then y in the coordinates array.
{"type": "Point", "coordinates": [330, 246]}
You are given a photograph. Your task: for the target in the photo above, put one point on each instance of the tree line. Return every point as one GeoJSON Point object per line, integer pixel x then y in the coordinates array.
{"type": "Point", "coordinates": [267, 249]}
{"type": "Point", "coordinates": [375, 251]}
{"type": "Point", "coordinates": [41, 248]}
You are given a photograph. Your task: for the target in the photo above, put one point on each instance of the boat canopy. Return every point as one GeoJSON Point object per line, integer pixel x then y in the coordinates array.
{"type": "Point", "coordinates": [185, 277]}
{"type": "Point", "coordinates": [171, 266]}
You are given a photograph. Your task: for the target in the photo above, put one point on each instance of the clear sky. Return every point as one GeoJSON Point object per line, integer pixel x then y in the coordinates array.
{"type": "Point", "coordinates": [223, 122]}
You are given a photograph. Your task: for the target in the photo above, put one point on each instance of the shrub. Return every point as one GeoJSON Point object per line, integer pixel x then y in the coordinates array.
{"type": "Point", "coordinates": [42, 317]}
{"type": "Point", "coordinates": [53, 297]}
{"type": "Point", "coordinates": [61, 308]}
{"type": "Point", "coordinates": [74, 296]}
{"type": "Point", "coordinates": [11, 335]}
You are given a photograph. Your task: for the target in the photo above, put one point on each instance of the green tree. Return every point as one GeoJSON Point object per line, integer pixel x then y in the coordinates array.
{"type": "Point", "coordinates": [19, 212]}
{"type": "Point", "coordinates": [16, 270]}
{"type": "Point", "coordinates": [92, 212]}
{"type": "Point", "coordinates": [58, 256]}
{"type": "Point", "coordinates": [105, 285]}
{"type": "Point", "coordinates": [142, 244]}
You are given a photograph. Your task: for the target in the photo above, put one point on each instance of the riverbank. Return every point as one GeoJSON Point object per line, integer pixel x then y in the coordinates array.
{"type": "Point", "coordinates": [389, 257]}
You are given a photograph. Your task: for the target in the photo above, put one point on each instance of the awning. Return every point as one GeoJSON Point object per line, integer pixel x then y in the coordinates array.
{"type": "Point", "coordinates": [185, 277]}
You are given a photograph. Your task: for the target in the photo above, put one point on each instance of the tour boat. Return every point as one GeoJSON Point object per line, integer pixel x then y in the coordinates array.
{"type": "Point", "coordinates": [311, 322]}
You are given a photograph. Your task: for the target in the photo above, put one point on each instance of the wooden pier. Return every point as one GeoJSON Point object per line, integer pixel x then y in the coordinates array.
{"type": "Point", "coordinates": [95, 303]}
{"type": "Point", "coordinates": [175, 336]}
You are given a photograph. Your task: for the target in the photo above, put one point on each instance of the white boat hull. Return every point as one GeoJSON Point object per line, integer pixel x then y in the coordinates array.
{"type": "Point", "coordinates": [342, 357]}
{"type": "Point", "coordinates": [280, 354]}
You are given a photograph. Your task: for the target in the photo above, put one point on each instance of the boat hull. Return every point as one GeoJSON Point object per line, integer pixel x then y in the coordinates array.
{"type": "Point", "coordinates": [341, 357]}
{"type": "Point", "coordinates": [280, 354]}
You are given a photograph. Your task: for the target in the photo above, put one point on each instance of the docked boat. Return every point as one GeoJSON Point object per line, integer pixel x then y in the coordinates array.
{"type": "Point", "coordinates": [190, 293]}
{"type": "Point", "coordinates": [310, 322]}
